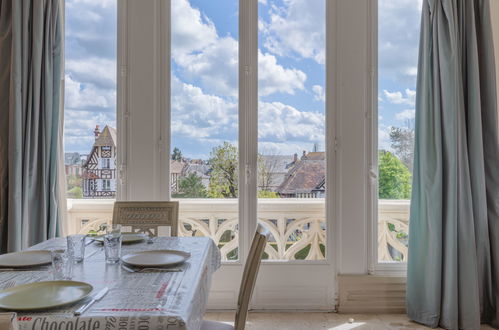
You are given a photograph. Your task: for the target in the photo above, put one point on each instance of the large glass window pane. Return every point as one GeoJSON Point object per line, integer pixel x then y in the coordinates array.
{"type": "Point", "coordinates": [204, 120]}
{"type": "Point", "coordinates": [291, 128]}
{"type": "Point", "coordinates": [90, 108]}
{"type": "Point", "coordinates": [398, 40]}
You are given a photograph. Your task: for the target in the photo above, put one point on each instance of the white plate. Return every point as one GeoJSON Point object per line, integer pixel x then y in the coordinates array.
{"type": "Point", "coordinates": [25, 258]}
{"type": "Point", "coordinates": [126, 238]}
{"type": "Point", "coordinates": [43, 295]}
{"type": "Point", "coordinates": [156, 258]}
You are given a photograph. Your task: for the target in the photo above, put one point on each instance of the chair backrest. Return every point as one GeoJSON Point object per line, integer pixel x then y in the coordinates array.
{"type": "Point", "coordinates": [8, 321]}
{"type": "Point", "coordinates": [249, 275]}
{"type": "Point", "coordinates": [147, 217]}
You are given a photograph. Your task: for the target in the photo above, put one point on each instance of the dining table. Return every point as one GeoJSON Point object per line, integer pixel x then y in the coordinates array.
{"type": "Point", "coordinates": [157, 300]}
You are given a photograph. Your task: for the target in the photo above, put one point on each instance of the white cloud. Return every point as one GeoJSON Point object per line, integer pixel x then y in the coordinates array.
{"type": "Point", "coordinates": [191, 30]}
{"type": "Point", "coordinates": [398, 98]}
{"type": "Point", "coordinates": [286, 148]}
{"type": "Point", "coordinates": [213, 60]}
{"type": "Point", "coordinates": [319, 94]}
{"type": "Point", "coordinates": [216, 66]}
{"type": "Point", "coordinates": [98, 71]}
{"type": "Point", "coordinates": [273, 77]}
{"type": "Point", "coordinates": [199, 116]}
{"type": "Point", "coordinates": [297, 28]}
{"type": "Point", "coordinates": [87, 97]}
{"type": "Point", "coordinates": [407, 114]}
{"type": "Point", "coordinates": [398, 42]}
{"type": "Point", "coordinates": [279, 122]}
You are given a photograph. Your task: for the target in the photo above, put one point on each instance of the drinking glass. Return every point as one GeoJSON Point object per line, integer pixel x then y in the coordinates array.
{"type": "Point", "coordinates": [76, 247]}
{"type": "Point", "coordinates": [112, 244]}
{"type": "Point", "coordinates": [62, 264]}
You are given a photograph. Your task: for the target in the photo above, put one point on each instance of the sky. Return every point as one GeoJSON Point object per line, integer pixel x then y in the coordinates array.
{"type": "Point", "coordinates": [204, 77]}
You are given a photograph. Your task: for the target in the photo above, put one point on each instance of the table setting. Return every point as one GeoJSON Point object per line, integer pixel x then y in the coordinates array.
{"type": "Point", "coordinates": [82, 282]}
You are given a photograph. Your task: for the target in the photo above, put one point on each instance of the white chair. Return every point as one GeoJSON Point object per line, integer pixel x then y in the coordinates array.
{"type": "Point", "coordinates": [247, 283]}
{"type": "Point", "coordinates": [147, 217]}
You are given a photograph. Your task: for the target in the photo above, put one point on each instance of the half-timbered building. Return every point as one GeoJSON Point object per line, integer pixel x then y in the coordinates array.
{"type": "Point", "coordinates": [99, 170]}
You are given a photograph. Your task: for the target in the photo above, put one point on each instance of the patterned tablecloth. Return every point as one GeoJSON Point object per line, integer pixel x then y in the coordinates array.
{"type": "Point", "coordinates": [175, 300]}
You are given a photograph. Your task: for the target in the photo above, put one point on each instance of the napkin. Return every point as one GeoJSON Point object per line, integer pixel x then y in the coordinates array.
{"type": "Point", "coordinates": [8, 321]}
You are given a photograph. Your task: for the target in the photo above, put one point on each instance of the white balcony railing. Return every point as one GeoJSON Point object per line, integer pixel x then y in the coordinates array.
{"type": "Point", "coordinates": [297, 225]}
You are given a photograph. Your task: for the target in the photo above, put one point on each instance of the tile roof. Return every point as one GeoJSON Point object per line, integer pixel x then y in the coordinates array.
{"type": "Point", "coordinates": [305, 176]}
{"type": "Point", "coordinates": [176, 166]}
{"type": "Point", "coordinates": [106, 138]}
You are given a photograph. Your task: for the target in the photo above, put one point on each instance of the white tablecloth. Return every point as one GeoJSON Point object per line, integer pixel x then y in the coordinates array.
{"type": "Point", "coordinates": [175, 300]}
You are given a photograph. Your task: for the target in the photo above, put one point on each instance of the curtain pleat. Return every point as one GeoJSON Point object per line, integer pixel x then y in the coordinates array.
{"type": "Point", "coordinates": [453, 247]}
{"type": "Point", "coordinates": [29, 197]}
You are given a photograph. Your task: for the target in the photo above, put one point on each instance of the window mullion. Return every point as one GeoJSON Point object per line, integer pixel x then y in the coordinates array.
{"type": "Point", "coordinates": [248, 120]}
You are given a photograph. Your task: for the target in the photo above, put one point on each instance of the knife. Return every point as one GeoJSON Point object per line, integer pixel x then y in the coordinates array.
{"type": "Point", "coordinates": [96, 298]}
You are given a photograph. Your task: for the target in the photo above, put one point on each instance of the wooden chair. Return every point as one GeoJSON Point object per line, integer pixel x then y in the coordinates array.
{"type": "Point", "coordinates": [147, 217]}
{"type": "Point", "coordinates": [8, 321]}
{"type": "Point", "coordinates": [247, 283]}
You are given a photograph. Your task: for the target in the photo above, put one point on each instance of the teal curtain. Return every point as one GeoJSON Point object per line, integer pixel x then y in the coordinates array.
{"type": "Point", "coordinates": [453, 264]}
{"type": "Point", "coordinates": [30, 94]}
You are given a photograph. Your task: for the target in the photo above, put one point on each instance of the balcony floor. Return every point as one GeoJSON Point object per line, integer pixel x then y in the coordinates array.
{"type": "Point", "coordinates": [329, 321]}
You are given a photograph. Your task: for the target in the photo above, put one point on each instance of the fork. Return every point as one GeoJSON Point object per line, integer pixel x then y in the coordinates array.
{"type": "Point", "coordinates": [150, 269]}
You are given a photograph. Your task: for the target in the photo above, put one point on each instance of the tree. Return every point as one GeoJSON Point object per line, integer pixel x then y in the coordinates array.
{"type": "Point", "coordinates": [73, 181]}
{"type": "Point", "coordinates": [224, 172]}
{"type": "Point", "coordinates": [394, 177]}
{"type": "Point", "coordinates": [191, 186]}
{"type": "Point", "coordinates": [75, 192]}
{"type": "Point", "coordinates": [266, 169]}
{"type": "Point", "coordinates": [267, 194]}
{"type": "Point", "coordinates": [177, 154]}
{"type": "Point", "coordinates": [402, 142]}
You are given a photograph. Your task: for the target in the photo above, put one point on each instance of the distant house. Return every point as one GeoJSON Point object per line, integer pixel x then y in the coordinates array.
{"type": "Point", "coordinates": [306, 178]}
{"type": "Point", "coordinates": [73, 170]}
{"type": "Point", "coordinates": [201, 170]}
{"type": "Point", "coordinates": [99, 170]}
{"type": "Point", "coordinates": [273, 170]}
{"type": "Point", "coordinates": [176, 169]}
{"type": "Point", "coordinates": [72, 164]}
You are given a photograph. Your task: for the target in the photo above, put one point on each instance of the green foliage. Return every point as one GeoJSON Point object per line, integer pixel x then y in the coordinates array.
{"type": "Point", "coordinates": [224, 172]}
{"type": "Point", "coordinates": [177, 154]}
{"type": "Point", "coordinates": [267, 194]}
{"type": "Point", "coordinates": [191, 186]}
{"type": "Point", "coordinates": [394, 177]}
{"type": "Point", "coordinates": [73, 181]}
{"type": "Point", "coordinates": [75, 192]}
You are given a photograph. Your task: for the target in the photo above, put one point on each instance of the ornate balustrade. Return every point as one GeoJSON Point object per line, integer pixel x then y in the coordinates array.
{"type": "Point", "coordinates": [393, 230]}
{"type": "Point", "coordinates": [297, 226]}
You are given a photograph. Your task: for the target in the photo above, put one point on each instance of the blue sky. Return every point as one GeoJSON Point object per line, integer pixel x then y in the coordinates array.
{"type": "Point", "coordinates": [205, 68]}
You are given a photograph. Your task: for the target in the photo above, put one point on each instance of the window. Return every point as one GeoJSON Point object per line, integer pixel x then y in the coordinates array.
{"type": "Point", "coordinates": [204, 164]}
{"type": "Point", "coordinates": [90, 94]}
{"type": "Point", "coordinates": [212, 99]}
{"type": "Point", "coordinates": [106, 163]}
{"type": "Point", "coordinates": [398, 40]}
{"type": "Point", "coordinates": [291, 161]}
{"type": "Point", "coordinates": [106, 185]}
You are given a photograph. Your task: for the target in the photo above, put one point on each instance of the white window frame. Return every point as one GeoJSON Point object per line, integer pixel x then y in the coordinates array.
{"type": "Point", "coordinates": [351, 102]}
{"type": "Point", "coordinates": [395, 268]}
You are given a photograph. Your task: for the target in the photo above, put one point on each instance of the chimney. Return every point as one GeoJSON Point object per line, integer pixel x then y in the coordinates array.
{"type": "Point", "coordinates": [304, 155]}
{"type": "Point", "coordinates": [96, 131]}
{"type": "Point", "coordinates": [295, 157]}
